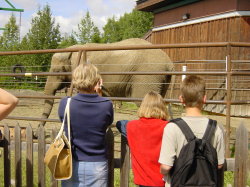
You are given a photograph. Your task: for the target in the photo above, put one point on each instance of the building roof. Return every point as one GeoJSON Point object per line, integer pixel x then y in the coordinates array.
{"type": "Point", "coordinates": [152, 5]}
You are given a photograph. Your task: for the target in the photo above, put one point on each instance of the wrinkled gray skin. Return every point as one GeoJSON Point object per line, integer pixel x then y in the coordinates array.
{"type": "Point", "coordinates": [114, 61]}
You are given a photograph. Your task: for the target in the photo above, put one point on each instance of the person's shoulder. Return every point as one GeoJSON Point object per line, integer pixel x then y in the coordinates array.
{"type": "Point", "coordinates": [171, 126]}
{"type": "Point", "coordinates": [64, 100]}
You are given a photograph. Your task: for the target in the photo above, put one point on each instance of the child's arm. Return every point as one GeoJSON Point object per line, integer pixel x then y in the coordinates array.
{"type": "Point", "coordinates": [121, 126]}
{"type": "Point", "coordinates": [220, 166]}
{"type": "Point", "coordinates": [220, 146]}
{"type": "Point", "coordinates": [7, 103]}
{"type": "Point", "coordinates": [164, 169]}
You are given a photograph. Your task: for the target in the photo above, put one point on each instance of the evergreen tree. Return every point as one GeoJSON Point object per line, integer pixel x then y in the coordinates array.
{"type": "Point", "coordinates": [67, 40]}
{"type": "Point", "coordinates": [10, 38]}
{"type": "Point", "coordinates": [87, 31]}
{"type": "Point", "coordinates": [44, 34]}
{"type": "Point", "coordinates": [9, 41]}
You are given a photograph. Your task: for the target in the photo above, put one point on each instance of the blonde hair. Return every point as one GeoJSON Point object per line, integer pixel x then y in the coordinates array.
{"type": "Point", "coordinates": [193, 91]}
{"type": "Point", "coordinates": [85, 77]}
{"type": "Point", "coordinates": [153, 106]}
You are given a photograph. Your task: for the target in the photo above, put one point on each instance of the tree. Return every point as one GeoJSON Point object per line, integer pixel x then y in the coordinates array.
{"type": "Point", "coordinates": [87, 31]}
{"type": "Point", "coordinates": [44, 34]}
{"type": "Point", "coordinates": [9, 41]}
{"type": "Point", "coordinates": [10, 38]}
{"type": "Point", "coordinates": [112, 31]}
{"type": "Point", "coordinates": [131, 25]}
{"type": "Point", "coordinates": [67, 41]}
{"type": "Point", "coordinates": [135, 24]}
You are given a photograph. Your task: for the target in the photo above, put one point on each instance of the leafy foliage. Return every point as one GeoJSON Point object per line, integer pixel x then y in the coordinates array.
{"type": "Point", "coordinates": [87, 31]}
{"type": "Point", "coordinates": [9, 41]}
{"type": "Point", "coordinates": [130, 25]}
{"type": "Point", "coordinates": [112, 31]}
{"type": "Point", "coordinates": [67, 40]}
{"type": "Point", "coordinates": [44, 34]}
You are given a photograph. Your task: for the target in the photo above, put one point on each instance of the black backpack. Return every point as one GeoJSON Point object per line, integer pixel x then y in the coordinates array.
{"type": "Point", "coordinates": [197, 164]}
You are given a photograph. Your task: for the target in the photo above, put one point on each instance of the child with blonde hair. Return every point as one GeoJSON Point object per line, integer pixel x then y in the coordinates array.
{"type": "Point", "coordinates": [144, 139]}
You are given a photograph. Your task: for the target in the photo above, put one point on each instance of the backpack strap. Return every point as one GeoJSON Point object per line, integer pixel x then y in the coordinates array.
{"type": "Point", "coordinates": [184, 128]}
{"type": "Point", "coordinates": [209, 130]}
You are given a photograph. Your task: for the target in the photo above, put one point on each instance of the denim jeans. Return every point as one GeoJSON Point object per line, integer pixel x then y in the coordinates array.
{"type": "Point", "coordinates": [88, 174]}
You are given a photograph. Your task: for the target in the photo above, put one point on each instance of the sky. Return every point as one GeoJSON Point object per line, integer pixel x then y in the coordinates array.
{"type": "Point", "coordinates": [67, 13]}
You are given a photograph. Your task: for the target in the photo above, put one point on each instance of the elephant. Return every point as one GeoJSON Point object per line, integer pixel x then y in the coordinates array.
{"type": "Point", "coordinates": [136, 86]}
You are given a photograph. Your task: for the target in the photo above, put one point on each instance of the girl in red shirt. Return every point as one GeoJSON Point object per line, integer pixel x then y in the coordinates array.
{"type": "Point", "coordinates": [144, 138]}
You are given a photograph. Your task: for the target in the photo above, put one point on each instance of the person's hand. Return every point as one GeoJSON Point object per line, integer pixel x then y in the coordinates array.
{"type": "Point", "coordinates": [98, 87]}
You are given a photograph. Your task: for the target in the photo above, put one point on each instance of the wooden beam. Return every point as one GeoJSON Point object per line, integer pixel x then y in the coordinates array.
{"type": "Point", "coordinates": [147, 3]}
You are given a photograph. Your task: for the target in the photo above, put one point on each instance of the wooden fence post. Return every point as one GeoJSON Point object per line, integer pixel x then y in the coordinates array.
{"type": "Point", "coordinates": [241, 156]}
{"type": "Point", "coordinates": [41, 153]}
{"type": "Point", "coordinates": [110, 146]}
{"type": "Point", "coordinates": [7, 173]}
{"type": "Point", "coordinates": [18, 157]}
{"type": "Point", "coordinates": [29, 157]}
{"type": "Point", "coordinates": [54, 182]}
{"type": "Point", "coordinates": [125, 163]}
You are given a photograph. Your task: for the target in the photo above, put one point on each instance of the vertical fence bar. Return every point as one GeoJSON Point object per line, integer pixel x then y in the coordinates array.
{"type": "Point", "coordinates": [110, 148]}
{"type": "Point", "coordinates": [29, 157]}
{"type": "Point", "coordinates": [228, 105]}
{"type": "Point", "coordinates": [241, 157]}
{"type": "Point", "coordinates": [41, 153]}
{"type": "Point", "coordinates": [18, 157]}
{"type": "Point", "coordinates": [125, 163]}
{"type": "Point", "coordinates": [6, 148]}
{"type": "Point", "coordinates": [77, 64]}
{"type": "Point", "coordinates": [54, 132]}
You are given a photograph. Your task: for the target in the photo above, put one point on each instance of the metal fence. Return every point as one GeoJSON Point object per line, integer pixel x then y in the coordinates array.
{"type": "Point", "coordinates": [226, 74]}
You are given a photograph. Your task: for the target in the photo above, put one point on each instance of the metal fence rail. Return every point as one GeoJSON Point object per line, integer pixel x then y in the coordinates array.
{"type": "Point", "coordinates": [228, 73]}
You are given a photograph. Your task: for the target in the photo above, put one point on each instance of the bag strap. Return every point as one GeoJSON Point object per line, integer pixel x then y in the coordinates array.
{"type": "Point", "coordinates": [209, 130]}
{"type": "Point", "coordinates": [184, 128]}
{"type": "Point", "coordinates": [68, 120]}
{"type": "Point", "coordinates": [66, 113]}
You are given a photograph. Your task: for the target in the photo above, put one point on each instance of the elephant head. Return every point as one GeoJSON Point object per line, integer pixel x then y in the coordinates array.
{"type": "Point", "coordinates": [114, 61]}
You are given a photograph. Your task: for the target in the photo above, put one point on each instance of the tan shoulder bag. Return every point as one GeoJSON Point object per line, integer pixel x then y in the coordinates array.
{"type": "Point", "coordinates": [58, 158]}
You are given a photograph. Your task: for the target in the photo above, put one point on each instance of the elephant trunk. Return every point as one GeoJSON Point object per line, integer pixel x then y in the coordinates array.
{"type": "Point", "coordinates": [48, 104]}
{"type": "Point", "coordinates": [52, 85]}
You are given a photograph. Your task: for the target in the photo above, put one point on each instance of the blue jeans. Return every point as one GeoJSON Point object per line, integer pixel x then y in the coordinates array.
{"type": "Point", "coordinates": [88, 174]}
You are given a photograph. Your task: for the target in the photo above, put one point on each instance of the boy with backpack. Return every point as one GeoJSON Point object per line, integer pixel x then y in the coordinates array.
{"type": "Point", "coordinates": [192, 148]}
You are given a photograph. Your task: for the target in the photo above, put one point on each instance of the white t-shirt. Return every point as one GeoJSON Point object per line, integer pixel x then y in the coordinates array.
{"type": "Point", "coordinates": [173, 140]}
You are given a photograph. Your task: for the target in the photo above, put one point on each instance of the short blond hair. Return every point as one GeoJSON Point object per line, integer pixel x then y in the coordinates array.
{"type": "Point", "coordinates": [85, 77]}
{"type": "Point", "coordinates": [193, 91]}
{"type": "Point", "coordinates": [153, 106]}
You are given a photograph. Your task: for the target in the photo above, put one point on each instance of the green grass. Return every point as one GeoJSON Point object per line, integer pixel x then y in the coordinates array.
{"type": "Point", "coordinates": [35, 170]}
{"type": "Point", "coordinates": [228, 176]}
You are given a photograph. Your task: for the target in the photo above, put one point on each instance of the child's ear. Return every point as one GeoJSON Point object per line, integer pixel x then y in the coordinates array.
{"type": "Point", "coordinates": [204, 99]}
{"type": "Point", "coordinates": [181, 99]}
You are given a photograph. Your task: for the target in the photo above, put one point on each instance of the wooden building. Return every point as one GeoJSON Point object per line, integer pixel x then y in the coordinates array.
{"type": "Point", "coordinates": [199, 21]}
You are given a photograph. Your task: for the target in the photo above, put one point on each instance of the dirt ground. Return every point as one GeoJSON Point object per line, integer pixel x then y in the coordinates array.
{"type": "Point", "coordinates": [34, 108]}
